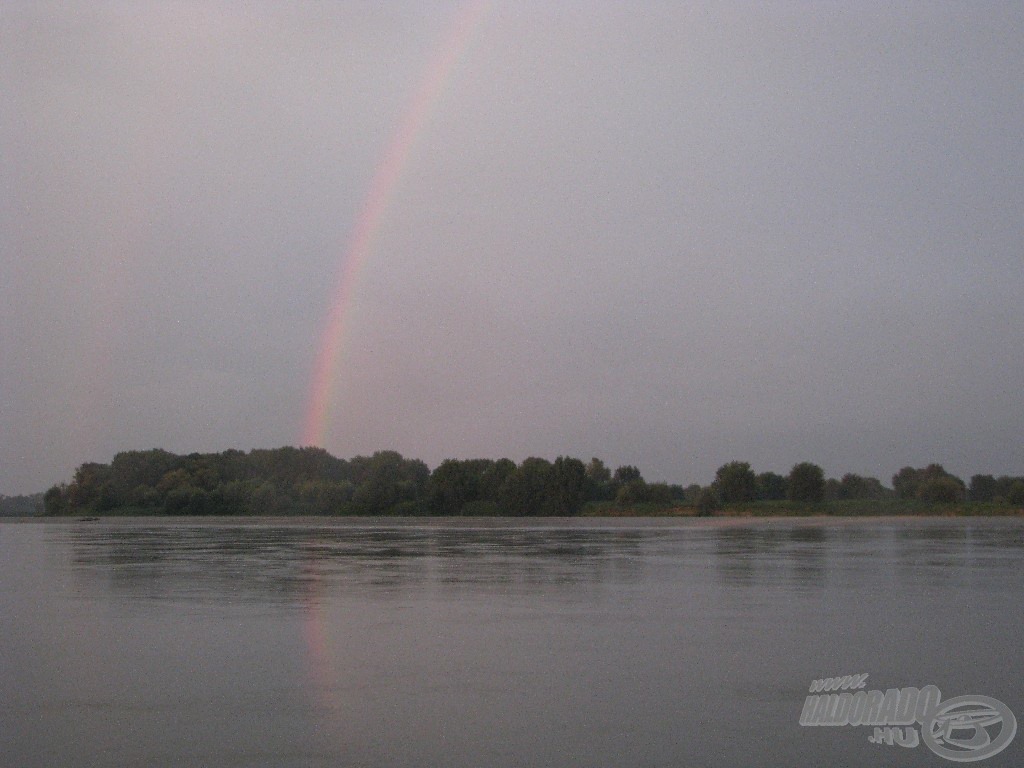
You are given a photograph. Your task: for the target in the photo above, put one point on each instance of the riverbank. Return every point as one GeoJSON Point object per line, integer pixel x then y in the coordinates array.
{"type": "Point", "coordinates": [851, 508]}
{"type": "Point", "coordinates": [835, 508]}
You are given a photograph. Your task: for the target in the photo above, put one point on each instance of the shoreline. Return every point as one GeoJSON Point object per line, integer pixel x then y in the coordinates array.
{"type": "Point", "coordinates": [459, 521]}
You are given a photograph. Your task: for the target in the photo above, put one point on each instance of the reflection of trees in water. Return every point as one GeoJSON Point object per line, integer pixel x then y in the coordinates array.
{"type": "Point", "coordinates": [810, 545]}
{"type": "Point", "coordinates": [194, 561]}
{"type": "Point", "coordinates": [289, 562]}
{"type": "Point", "coordinates": [539, 556]}
{"type": "Point", "coordinates": [957, 549]}
{"type": "Point", "coordinates": [772, 554]}
{"type": "Point", "coordinates": [930, 551]}
{"type": "Point", "coordinates": [856, 550]}
{"type": "Point", "coordinates": [737, 550]}
{"type": "Point", "coordinates": [997, 536]}
{"type": "Point", "coordinates": [807, 555]}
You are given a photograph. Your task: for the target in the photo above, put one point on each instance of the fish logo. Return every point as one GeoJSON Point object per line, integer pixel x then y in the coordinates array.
{"type": "Point", "coordinates": [969, 728]}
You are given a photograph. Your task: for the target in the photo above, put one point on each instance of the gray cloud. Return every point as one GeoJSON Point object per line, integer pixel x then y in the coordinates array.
{"type": "Point", "coordinates": [669, 237]}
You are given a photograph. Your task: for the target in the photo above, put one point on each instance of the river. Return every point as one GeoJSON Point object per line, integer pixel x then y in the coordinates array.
{"type": "Point", "coordinates": [475, 642]}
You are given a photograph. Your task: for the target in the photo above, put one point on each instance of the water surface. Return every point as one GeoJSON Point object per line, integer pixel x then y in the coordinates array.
{"type": "Point", "coordinates": [490, 642]}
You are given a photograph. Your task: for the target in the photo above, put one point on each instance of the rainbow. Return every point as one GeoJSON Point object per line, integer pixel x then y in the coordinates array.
{"type": "Point", "coordinates": [360, 244]}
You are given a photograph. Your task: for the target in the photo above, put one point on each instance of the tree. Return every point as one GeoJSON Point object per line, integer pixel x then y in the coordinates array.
{"type": "Point", "coordinates": [55, 500]}
{"type": "Point", "coordinates": [525, 490]}
{"type": "Point", "coordinates": [905, 482]}
{"type": "Point", "coordinates": [633, 492]}
{"type": "Point", "coordinates": [599, 480]}
{"type": "Point", "coordinates": [982, 488]}
{"type": "Point", "coordinates": [493, 477]}
{"type": "Point", "coordinates": [189, 500]}
{"type": "Point", "coordinates": [857, 487]}
{"type": "Point", "coordinates": [131, 469]}
{"type": "Point", "coordinates": [806, 482]}
{"type": "Point", "coordinates": [451, 486]}
{"type": "Point", "coordinates": [387, 481]}
{"type": "Point", "coordinates": [568, 486]}
{"type": "Point", "coordinates": [770, 486]}
{"type": "Point", "coordinates": [735, 482]}
{"type": "Point", "coordinates": [691, 493]}
{"type": "Point", "coordinates": [622, 477]}
{"type": "Point", "coordinates": [908, 481]}
{"type": "Point", "coordinates": [661, 493]}
{"type": "Point", "coordinates": [265, 500]}
{"type": "Point", "coordinates": [626, 474]}
{"type": "Point", "coordinates": [707, 502]}
{"type": "Point", "coordinates": [1005, 485]}
{"type": "Point", "coordinates": [91, 486]}
{"type": "Point", "coordinates": [1016, 493]}
{"type": "Point", "coordinates": [945, 490]}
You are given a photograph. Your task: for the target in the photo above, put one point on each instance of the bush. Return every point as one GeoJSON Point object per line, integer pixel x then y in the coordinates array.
{"type": "Point", "coordinates": [707, 502]}
{"type": "Point", "coordinates": [1016, 494]}
{"type": "Point", "coordinates": [660, 493]}
{"type": "Point", "coordinates": [188, 500]}
{"type": "Point", "coordinates": [632, 492]}
{"type": "Point", "coordinates": [481, 508]}
{"type": "Point", "coordinates": [55, 500]}
{"type": "Point", "coordinates": [941, 490]}
{"type": "Point", "coordinates": [909, 482]}
{"type": "Point", "coordinates": [735, 482]}
{"type": "Point", "coordinates": [806, 483]}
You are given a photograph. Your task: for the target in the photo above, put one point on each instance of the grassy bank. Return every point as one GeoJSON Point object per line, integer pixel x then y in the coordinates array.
{"type": "Point", "coordinates": [843, 508]}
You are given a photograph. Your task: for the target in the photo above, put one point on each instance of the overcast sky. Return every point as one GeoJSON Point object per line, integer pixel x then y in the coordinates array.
{"type": "Point", "coordinates": [669, 235]}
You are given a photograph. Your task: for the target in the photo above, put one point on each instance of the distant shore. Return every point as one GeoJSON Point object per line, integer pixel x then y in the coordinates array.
{"type": "Point", "coordinates": [839, 508]}
{"type": "Point", "coordinates": [584, 522]}
{"type": "Point", "coordinates": [761, 510]}
{"type": "Point", "coordinates": [289, 481]}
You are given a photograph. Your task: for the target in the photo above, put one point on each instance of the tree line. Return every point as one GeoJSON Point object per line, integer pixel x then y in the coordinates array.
{"type": "Point", "coordinates": [21, 506]}
{"type": "Point", "coordinates": [311, 481]}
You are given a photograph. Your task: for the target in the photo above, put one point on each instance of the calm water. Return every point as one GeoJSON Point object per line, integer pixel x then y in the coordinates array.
{"type": "Point", "coordinates": [491, 643]}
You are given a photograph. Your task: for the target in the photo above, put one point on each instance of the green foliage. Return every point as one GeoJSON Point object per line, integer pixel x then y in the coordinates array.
{"type": "Point", "coordinates": [599, 481]}
{"type": "Point", "coordinates": [910, 483]}
{"type": "Point", "coordinates": [626, 474]}
{"type": "Point", "coordinates": [189, 500]}
{"type": "Point", "coordinates": [982, 488]}
{"type": "Point", "coordinates": [456, 484]}
{"type": "Point", "coordinates": [386, 480]}
{"type": "Point", "coordinates": [287, 481]}
{"type": "Point", "coordinates": [567, 486]}
{"type": "Point", "coordinates": [639, 492]}
{"type": "Point", "coordinates": [735, 483]}
{"type": "Point", "coordinates": [691, 493]}
{"type": "Point", "coordinates": [1005, 485]}
{"type": "Point", "coordinates": [482, 508]}
{"type": "Point", "coordinates": [905, 483]}
{"type": "Point", "coordinates": [540, 487]}
{"type": "Point", "coordinates": [707, 502]}
{"type": "Point", "coordinates": [944, 490]}
{"type": "Point", "coordinates": [132, 470]}
{"type": "Point", "coordinates": [631, 493]}
{"type": "Point", "coordinates": [857, 487]}
{"type": "Point", "coordinates": [660, 493]}
{"type": "Point", "coordinates": [524, 492]}
{"type": "Point", "coordinates": [87, 487]}
{"type": "Point", "coordinates": [22, 505]}
{"type": "Point", "coordinates": [1016, 493]}
{"type": "Point", "coordinates": [55, 500]}
{"type": "Point", "coordinates": [770, 486]}
{"type": "Point", "coordinates": [806, 483]}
